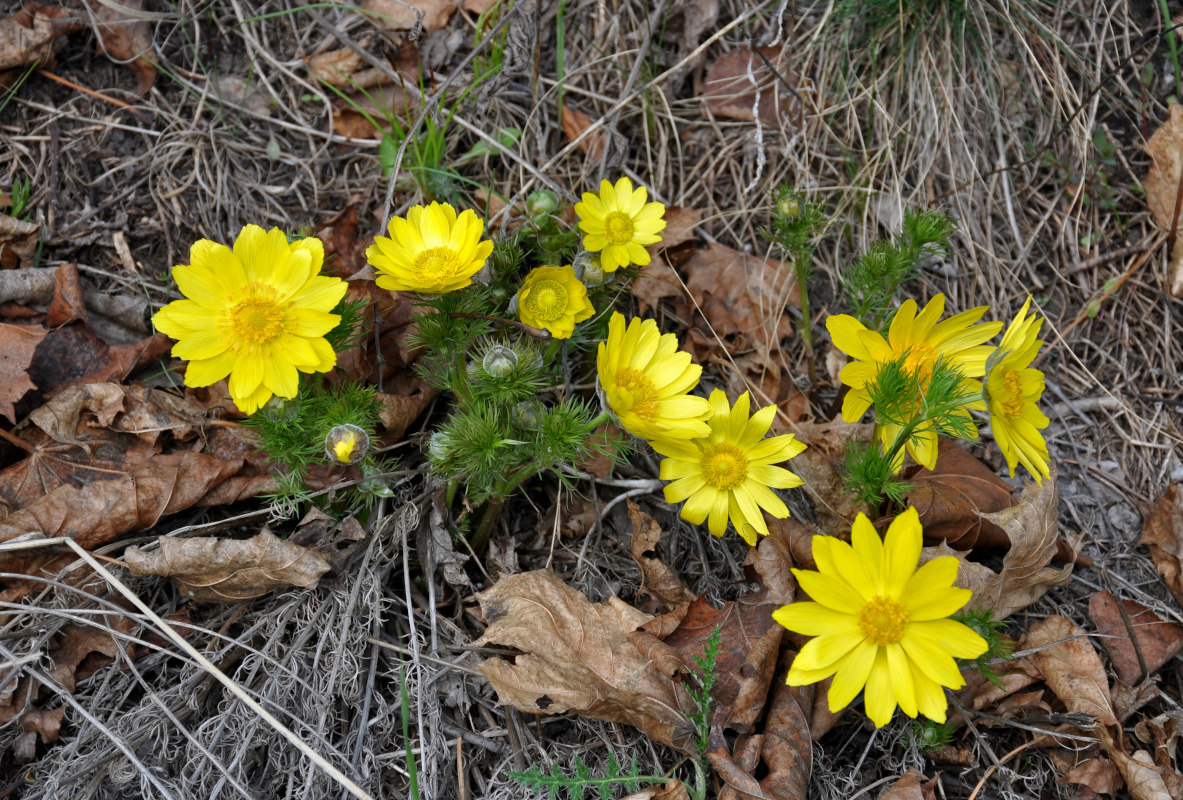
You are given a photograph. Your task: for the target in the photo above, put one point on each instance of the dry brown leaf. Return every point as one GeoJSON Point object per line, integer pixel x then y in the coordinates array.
{"type": "Point", "coordinates": [31, 35]}
{"type": "Point", "coordinates": [18, 240]}
{"type": "Point", "coordinates": [336, 67]}
{"type": "Point", "coordinates": [18, 343]}
{"type": "Point", "coordinates": [575, 123]}
{"type": "Point", "coordinates": [909, 786]}
{"type": "Point", "coordinates": [787, 748]}
{"type": "Point", "coordinates": [657, 579]}
{"type": "Point", "coordinates": [656, 281]}
{"type": "Point", "coordinates": [1162, 534]}
{"type": "Point", "coordinates": [952, 498]}
{"type": "Point", "coordinates": [1162, 186]}
{"type": "Point", "coordinates": [576, 656]}
{"type": "Point", "coordinates": [1158, 639]}
{"type": "Point", "coordinates": [738, 77]}
{"type": "Point", "coordinates": [821, 467]}
{"type": "Point", "coordinates": [673, 790]}
{"type": "Point", "coordinates": [399, 411]}
{"type": "Point", "coordinates": [1165, 733]}
{"type": "Point", "coordinates": [404, 15]}
{"type": "Point", "coordinates": [436, 548]}
{"type": "Point", "coordinates": [1144, 779]}
{"type": "Point", "coordinates": [1099, 774]}
{"type": "Point", "coordinates": [126, 39]}
{"type": "Point", "coordinates": [212, 570]}
{"type": "Point", "coordinates": [1071, 667]}
{"type": "Point", "coordinates": [339, 542]}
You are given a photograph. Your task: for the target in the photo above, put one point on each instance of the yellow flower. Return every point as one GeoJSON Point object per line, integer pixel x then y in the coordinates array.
{"type": "Point", "coordinates": [431, 251]}
{"type": "Point", "coordinates": [553, 298]}
{"type": "Point", "coordinates": [346, 444]}
{"type": "Point", "coordinates": [880, 622]}
{"type": "Point", "coordinates": [257, 313]}
{"type": "Point", "coordinates": [618, 224]}
{"type": "Point", "coordinates": [727, 474]}
{"type": "Point", "coordinates": [1012, 390]}
{"type": "Point", "coordinates": [645, 380]}
{"type": "Point", "coordinates": [956, 341]}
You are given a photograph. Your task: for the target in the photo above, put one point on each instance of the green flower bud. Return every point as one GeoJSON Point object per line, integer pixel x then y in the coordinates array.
{"type": "Point", "coordinates": [499, 361]}
{"type": "Point", "coordinates": [528, 415]}
{"type": "Point", "coordinates": [281, 409]}
{"type": "Point", "coordinates": [587, 269]}
{"type": "Point", "coordinates": [541, 202]}
{"type": "Point", "coordinates": [346, 444]}
{"type": "Point", "coordinates": [789, 207]}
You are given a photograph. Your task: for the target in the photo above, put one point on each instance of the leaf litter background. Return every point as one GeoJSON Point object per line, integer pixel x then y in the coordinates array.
{"type": "Point", "coordinates": [147, 126]}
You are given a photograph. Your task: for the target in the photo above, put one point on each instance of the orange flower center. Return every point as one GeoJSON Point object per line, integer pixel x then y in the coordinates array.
{"type": "Point", "coordinates": [618, 228]}
{"type": "Point", "coordinates": [1013, 382]}
{"type": "Point", "coordinates": [547, 301]}
{"type": "Point", "coordinates": [253, 322]}
{"type": "Point", "coordinates": [435, 265]}
{"type": "Point", "coordinates": [882, 621]}
{"type": "Point", "coordinates": [919, 362]}
{"type": "Point", "coordinates": [638, 392]}
{"type": "Point", "coordinates": [724, 466]}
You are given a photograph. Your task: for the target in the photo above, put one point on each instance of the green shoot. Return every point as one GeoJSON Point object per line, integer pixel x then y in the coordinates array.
{"type": "Point", "coordinates": [705, 678]}
{"type": "Point", "coordinates": [21, 189]}
{"type": "Point", "coordinates": [581, 779]}
{"type": "Point", "coordinates": [932, 735]}
{"type": "Point", "coordinates": [999, 646]}
{"type": "Point", "coordinates": [794, 224]}
{"type": "Point", "coordinates": [412, 771]}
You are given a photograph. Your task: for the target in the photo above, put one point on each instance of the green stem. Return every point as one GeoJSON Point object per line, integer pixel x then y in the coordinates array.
{"type": "Point", "coordinates": [493, 510]}
{"type": "Point", "coordinates": [802, 265]}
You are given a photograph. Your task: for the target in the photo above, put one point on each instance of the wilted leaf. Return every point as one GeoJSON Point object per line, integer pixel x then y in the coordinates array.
{"type": "Point", "coordinates": [952, 498]}
{"type": "Point", "coordinates": [18, 238]}
{"type": "Point", "coordinates": [1158, 639]}
{"type": "Point", "coordinates": [735, 80]}
{"type": "Point", "coordinates": [576, 656]}
{"type": "Point", "coordinates": [399, 411]}
{"type": "Point", "coordinates": [1143, 778]}
{"type": "Point", "coordinates": [30, 36]}
{"type": "Point", "coordinates": [1162, 534]}
{"type": "Point", "coordinates": [67, 304]}
{"type": "Point", "coordinates": [821, 467]}
{"type": "Point", "coordinates": [126, 39]}
{"type": "Point", "coordinates": [17, 345]}
{"type": "Point", "coordinates": [657, 279]}
{"type": "Point", "coordinates": [673, 790]}
{"type": "Point", "coordinates": [336, 67]}
{"type": "Point", "coordinates": [1162, 186]}
{"type": "Point", "coordinates": [657, 579]}
{"type": "Point", "coordinates": [337, 541]}
{"type": "Point", "coordinates": [404, 15]}
{"type": "Point", "coordinates": [436, 548]}
{"type": "Point", "coordinates": [212, 570]}
{"type": "Point", "coordinates": [787, 749]}
{"type": "Point", "coordinates": [1098, 774]}
{"type": "Point", "coordinates": [575, 123]}
{"type": "Point", "coordinates": [1071, 667]}
{"type": "Point", "coordinates": [910, 786]}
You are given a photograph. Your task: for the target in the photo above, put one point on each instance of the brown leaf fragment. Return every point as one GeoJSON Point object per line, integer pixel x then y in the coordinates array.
{"type": "Point", "coordinates": [126, 39]}
{"type": "Point", "coordinates": [1158, 639]}
{"type": "Point", "coordinates": [1162, 535]}
{"type": "Point", "coordinates": [338, 542]}
{"type": "Point", "coordinates": [399, 411]}
{"type": "Point", "coordinates": [212, 570]}
{"type": "Point", "coordinates": [1165, 148]}
{"type": "Point", "coordinates": [574, 124]}
{"type": "Point", "coordinates": [821, 467]}
{"type": "Point", "coordinates": [656, 281]}
{"type": "Point", "coordinates": [952, 498]}
{"type": "Point", "coordinates": [576, 656]}
{"type": "Point", "coordinates": [1071, 667]}
{"type": "Point", "coordinates": [741, 85]}
{"type": "Point", "coordinates": [909, 786]}
{"type": "Point", "coordinates": [336, 67]}
{"type": "Point", "coordinates": [1143, 778]}
{"type": "Point", "coordinates": [31, 35]}
{"type": "Point", "coordinates": [1098, 774]}
{"type": "Point", "coordinates": [1165, 733]}
{"type": "Point", "coordinates": [436, 547]}
{"type": "Point", "coordinates": [736, 778]}
{"type": "Point", "coordinates": [18, 343]}
{"type": "Point", "coordinates": [405, 15]}
{"type": "Point", "coordinates": [787, 749]}
{"type": "Point", "coordinates": [18, 238]}
{"type": "Point", "coordinates": [68, 304]}
{"type": "Point", "coordinates": [672, 790]}
{"type": "Point", "coordinates": [657, 579]}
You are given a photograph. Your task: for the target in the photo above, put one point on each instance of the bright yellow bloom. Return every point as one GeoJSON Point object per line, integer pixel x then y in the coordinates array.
{"type": "Point", "coordinates": [618, 224]}
{"type": "Point", "coordinates": [1012, 390]}
{"type": "Point", "coordinates": [431, 251]}
{"type": "Point", "coordinates": [727, 474]}
{"type": "Point", "coordinates": [645, 380]}
{"type": "Point", "coordinates": [347, 443]}
{"type": "Point", "coordinates": [258, 313]}
{"type": "Point", "coordinates": [880, 622]}
{"type": "Point", "coordinates": [957, 342]}
{"type": "Point", "coordinates": [553, 298]}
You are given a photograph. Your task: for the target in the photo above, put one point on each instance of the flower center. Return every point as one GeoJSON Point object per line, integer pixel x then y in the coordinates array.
{"type": "Point", "coordinates": [919, 363]}
{"type": "Point", "coordinates": [638, 392]}
{"type": "Point", "coordinates": [1013, 382]}
{"type": "Point", "coordinates": [724, 466]}
{"type": "Point", "coordinates": [436, 264]}
{"type": "Point", "coordinates": [882, 621]}
{"type": "Point", "coordinates": [254, 321]}
{"type": "Point", "coordinates": [548, 301]}
{"type": "Point", "coordinates": [618, 228]}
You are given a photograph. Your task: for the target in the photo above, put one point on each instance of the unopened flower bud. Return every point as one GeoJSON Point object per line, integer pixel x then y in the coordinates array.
{"type": "Point", "coordinates": [346, 444]}
{"type": "Point", "coordinates": [528, 415]}
{"type": "Point", "coordinates": [541, 202]}
{"type": "Point", "coordinates": [499, 361]}
{"type": "Point", "coordinates": [789, 208]}
{"type": "Point", "coordinates": [379, 487]}
{"type": "Point", "coordinates": [281, 409]}
{"type": "Point", "coordinates": [439, 447]}
{"type": "Point", "coordinates": [587, 269]}
{"type": "Point", "coordinates": [512, 307]}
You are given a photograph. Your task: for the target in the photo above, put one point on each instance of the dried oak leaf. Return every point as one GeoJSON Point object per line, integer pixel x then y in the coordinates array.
{"type": "Point", "coordinates": [821, 467]}
{"type": "Point", "coordinates": [1162, 534]}
{"type": "Point", "coordinates": [575, 123]}
{"type": "Point", "coordinates": [126, 39]}
{"type": "Point", "coordinates": [658, 581]}
{"type": "Point", "coordinates": [18, 238]}
{"type": "Point", "coordinates": [18, 343]}
{"type": "Point", "coordinates": [1143, 778]}
{"type": "Point", "coordinates": [1158, 639]}
{"type": "Point", "coordinates": [741, 85]}
{"type": "Point", "coordinates": [576, 656]}
{"type": "Point", "coordinates": [1071, 667]}
{"type": "Point", "coordinates": [405, 15]}
{"type": "Point", "coordinates": [337, 67]}
{"type": "Point", "coordinates": [953, 497]}
{"type": "Point", "coordinates": [1099, 774]}
{"type": "Point", "coordinates": [212, 570]}
{"type": "Point", "coordinates": [912, 785]}
{"type": "Point", "coordinates": [30, 36]}
{"type": "Point", "coordinates": [1162, 186]}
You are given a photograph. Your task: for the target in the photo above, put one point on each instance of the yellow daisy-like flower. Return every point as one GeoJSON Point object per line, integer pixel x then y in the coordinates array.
{"type": "Point", "coordinates": [956, 341]}
{"type": "Point", "coordinates": [645, 380]}
{"type": "Point", "coordinates": [1012, 390]}
{"type": "Point", "coordinates": [727, 474]}
{"type": "Point", "coordinates": [618, 224]}
{"type": "Point", "coordinates": [258, 313]}
{"type": "Point", "coordinates": [880, 622]}
{"type": "Point", "coordinates": [553, 298]}
{"type": "Point", "coordinates": [433, 250]}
